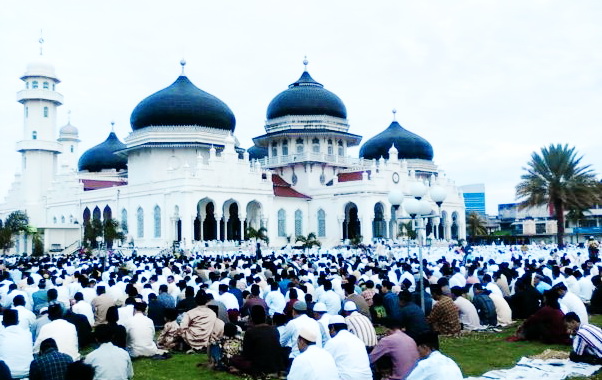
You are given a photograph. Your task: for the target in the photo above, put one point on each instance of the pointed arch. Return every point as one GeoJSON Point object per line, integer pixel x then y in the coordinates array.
{"type": "Point", "coordinates": [96, 213]}
{"type": "Point", "coordinates": [157, 221]}
{"type": "Point", "coordinates": [140, 222]}
{"type": "Point", "coordinates": [379, 225]}
{"type": "Point", "coordinates": [321, 223]}
{"type": "Point", "coordinates": [281, 223]}
{"type": "Point", "coordinates": [107, 213]}
{"type": "Point", "coordinates": [298, 222]}
{"type": "Point", "coordinates": [124, 220]}
{"type": "Point", "coordinates": [86, 215]}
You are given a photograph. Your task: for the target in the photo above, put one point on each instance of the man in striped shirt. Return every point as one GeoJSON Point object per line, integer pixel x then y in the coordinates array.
{"type": "Point", "coordinates": [587, 340]}
{"type": "Point", "coordinates": [359, 325]}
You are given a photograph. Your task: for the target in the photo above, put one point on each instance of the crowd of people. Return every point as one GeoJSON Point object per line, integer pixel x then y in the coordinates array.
{"type": "Point", "coordinates": [303, 314]}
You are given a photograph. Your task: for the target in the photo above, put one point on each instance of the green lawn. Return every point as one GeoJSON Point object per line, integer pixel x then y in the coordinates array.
{"type": "Point", "coordinates": [476, 353]}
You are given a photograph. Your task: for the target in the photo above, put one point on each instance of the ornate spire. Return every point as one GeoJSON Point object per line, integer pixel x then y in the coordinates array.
{"type": "Point", "coordinates": [305, 62]}
{"type": "Point", "coordinates": [41, 41]}
{"type": "Point", "coordinates": [113, 126]}
{"type": "Point", "coordinates": [394, 112]}
{"type": "Point", "coordinates": [183, 63]}
{"type": "Point", "coordinates": [69, 117]}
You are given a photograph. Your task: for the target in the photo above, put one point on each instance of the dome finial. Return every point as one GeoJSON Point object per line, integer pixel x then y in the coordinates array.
{"type": "Point", "coordinates": [183, 63]}
{"type": "Point", "coordinates": [69, 117]}
{"type": "Point", "coordinates": [394, 112]}
{"type": "Point", "coordinates": [113, 126]}
{"type": "Point", "coordinates": [305, 62]}
{"type": "Point", "coordinates": [41, 41]}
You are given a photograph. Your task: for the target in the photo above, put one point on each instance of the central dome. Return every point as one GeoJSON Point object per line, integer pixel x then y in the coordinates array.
{"type": "Point", "coordinates": [306, 97]}
{"type": "Point", "coordinates": [182, 104]}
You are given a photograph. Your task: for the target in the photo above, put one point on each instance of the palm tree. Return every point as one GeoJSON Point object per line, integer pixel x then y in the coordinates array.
{"type": "Point", "coordinates": [309, 241]}
{"type": "Point", "coordinates": [476, 224]}
{"type": "Point", "coordinates": [260, 234]}
{"type": "Point", "coordinates": [555, 177]}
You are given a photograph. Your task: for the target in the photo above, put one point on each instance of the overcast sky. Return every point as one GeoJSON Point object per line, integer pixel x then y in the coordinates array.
{"type": "Point", "coordinates": [485, 82]}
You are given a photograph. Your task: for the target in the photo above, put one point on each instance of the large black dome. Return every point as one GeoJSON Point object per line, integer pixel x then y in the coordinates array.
{"type": "Point", "coordinates": [182, 103]}
{"type": "Point", "coordinates": [103, 157]}
{"type": "Point", "coordinates": [306, 97]}
{"type": "Point", "coordinates": [257, 152]}
{"type": "Point", "coordinates": [408, 144]}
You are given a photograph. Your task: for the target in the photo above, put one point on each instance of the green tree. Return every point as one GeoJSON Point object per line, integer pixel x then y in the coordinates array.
{"type": "Point", "coordinates": [308, 241]}
{"type": "Point", "coordinates": [92, 230]}
{"type": "Point", "coordinates": [555, 177]}
{"type": "Point", "coordinates": [476, 224]}
{"type": "Point", "coordinates": [260, 234]}
{"type": "Point", "coordinates": [111, 232]}
{"type": "Point", "coordinates": [15, 223]}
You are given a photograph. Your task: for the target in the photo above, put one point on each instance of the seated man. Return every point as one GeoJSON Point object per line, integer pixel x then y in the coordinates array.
{"type": "Point", "coordinates": [484, 305]}
{"type": "Point", "coordinates": [433, 364]}
{"type": "Point", "coordinates": [445, 317]}
{"type": "Point", "coordinates": [141, 334]}
{"type": "Point", "coordinates": [399, 348]}
{"type": "Point", "coordinates": [587, 340]}
{"type": "Point", "coordinates": [348, 351]}
{"type": "Point", "coordinates": [15, 345]}
{"type": "Point", "coordinates": [109, 361]}
{"type": "Point", "coordinates": [359, 325]}
{"type": "Point", "coordinates": [50, 363]}
{"type": "Point", "coordinates": [312, 362]}
{"type": "Point", "coordinates": [63, 332]}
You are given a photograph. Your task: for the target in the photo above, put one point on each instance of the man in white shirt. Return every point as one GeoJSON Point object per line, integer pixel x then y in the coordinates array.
{"type": "Point", "coordinates": [63, 332]}
{"type": "Point", "coordinates": [141, 333]}
{"type": "Point", "coordinates": [348, 351]}
{"type": "Point", "coordinates": [571, 302]}
{"type": "Point", "coordinates": [27, 319]}
{"type": "Point", "coordinates": [290, 333]}
{"type": "Point", "coordinates": [433, 365]}
{"type": "Point", "coordinates": [15, 345]}
{"type": "Point", "coordinates": [82, 307]}
{"type": "Point", "coordinates": [109, 361]}
{"type": "Point", "coordinates": [469, 317]}
{"type": "Point", "coordinates": [331, 299]}
{"type": "Point", "coordinates": [321, 315]}
{"type": "Point", "coordinates": [312, 362]}
{"type": "Point", "coordinates": [275, 300]}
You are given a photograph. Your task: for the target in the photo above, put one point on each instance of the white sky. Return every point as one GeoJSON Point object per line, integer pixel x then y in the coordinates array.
{"type": "Point", "coordinates": [485, 82]}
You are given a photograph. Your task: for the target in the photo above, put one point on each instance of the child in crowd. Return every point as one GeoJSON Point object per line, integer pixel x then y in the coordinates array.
{"type": "Point", "coordinates": [170, 339]}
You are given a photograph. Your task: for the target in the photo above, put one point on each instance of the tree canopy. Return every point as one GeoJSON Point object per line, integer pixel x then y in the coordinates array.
{"type": "Point", "coordinates": [555, 177]}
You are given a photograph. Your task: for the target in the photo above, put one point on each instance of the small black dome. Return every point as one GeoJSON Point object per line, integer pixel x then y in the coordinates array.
{"type": "Point", "coordinates": [103, 157]}
{"type": "Point", "coordinates": [408, 144]}
{"type": "Point", "coordinates": [182, 103]}
{"type": "Point", "coordinates": [306, 97]}
{"type": "Point", "coordinates": [257, 152]}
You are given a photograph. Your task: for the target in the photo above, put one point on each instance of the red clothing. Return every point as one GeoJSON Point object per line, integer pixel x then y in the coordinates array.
{"type": "Point", "coordinates": [546, 326]}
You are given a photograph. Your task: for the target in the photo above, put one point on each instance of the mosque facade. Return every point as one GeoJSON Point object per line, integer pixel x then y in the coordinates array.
{"type": "Point", "coordinates": [181, 176]}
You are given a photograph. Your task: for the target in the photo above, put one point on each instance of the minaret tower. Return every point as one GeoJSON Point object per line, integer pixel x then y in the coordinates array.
{"type": "Point", "coordinates": [69, 139]}
{"type": "Point", "coordinates": [39, 148]}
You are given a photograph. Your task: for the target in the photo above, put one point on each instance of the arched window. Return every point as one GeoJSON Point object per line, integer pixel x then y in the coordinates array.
{"type": "Point", "coordinates": [86, 215]}
{"type": "Point", "coordinates": [124, 221]}
{"type": "Point", "coordinates": [34, 135]}
{"type": "Point", "coordinates": [157, 218]}
{"type": "Point", "coordinates": [63, 219]}
{"type": "Point", "coordinates": [281, 222]}
{"type": "Point", "coordinates": [140, 222]}
{"type": "Point", "coordinates": [330, 147]}
{"type": "Point", "coordinates": [285, 147]}
{"type": "Point", "coordinates": [315, 143]}
{"type": "Point", "coordinates": [321, 223]}
{"type": "Point", "coordinates": [53, 87]}
{"type": "Point", "coordinates": [45, 86]}
{"type": "Point", "coordinates": [45, 111]}
{"type": "Point", "coordinates": [70, 219]}
{"type": "Point", "coordinates": [299, 142]}
{"type": "Point", "coordinates": [341, 149]}
{"type": "Point", "coordinates": [54, 220]}
{"type": "Point", "coordinates": [274, 149]}
{"type": "Point", "coordinates": [26, 85]}
{"type": "Point", "coordinates": [34, 84]}
{"type": "Point", "coordinates": [298, 223]}
{"type": "Point", "coordinates": [96, 213]}
{"type": "Point", "coordinates": [72, 149]}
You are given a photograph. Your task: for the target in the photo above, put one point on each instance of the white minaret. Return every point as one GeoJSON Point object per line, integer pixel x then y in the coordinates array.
{"type": "Point", "coordinates": [39, 148]}
{"type": "Point", "coordinates": [69, 139]}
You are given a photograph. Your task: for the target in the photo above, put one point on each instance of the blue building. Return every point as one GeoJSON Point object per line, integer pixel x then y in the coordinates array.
{"type": "Point", "coordinates": [474, 198]}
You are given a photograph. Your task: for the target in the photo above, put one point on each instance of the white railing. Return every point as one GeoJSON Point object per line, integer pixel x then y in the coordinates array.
{"type": "Point", "coordinates": [315, 157]}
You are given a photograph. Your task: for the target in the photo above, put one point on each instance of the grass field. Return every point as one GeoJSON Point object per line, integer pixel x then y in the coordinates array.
{"type": "Point", "coordinates": [475, 353]}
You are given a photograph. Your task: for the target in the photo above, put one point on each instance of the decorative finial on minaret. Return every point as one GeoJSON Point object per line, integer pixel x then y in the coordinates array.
{"type": "Point", "coordinates": [41, 41]}
{"type": "Point", "coordinates": [113, 126]}
{"type": "Point", "coordinates": [183, 63]}
{"type": "Point", "coordinates": [69, 117]}
{"type": "Point", "coordinates": [305, 62]}
{"type": "Point", "coordinates": [394, 112]}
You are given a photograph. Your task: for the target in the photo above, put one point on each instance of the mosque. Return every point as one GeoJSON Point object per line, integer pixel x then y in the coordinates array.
{"type": "Point", "coordinates": [181, 175]}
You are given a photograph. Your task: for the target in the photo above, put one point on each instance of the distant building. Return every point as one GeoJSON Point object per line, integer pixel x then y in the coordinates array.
{"type": "Point", "coordinates": [474, 198]}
